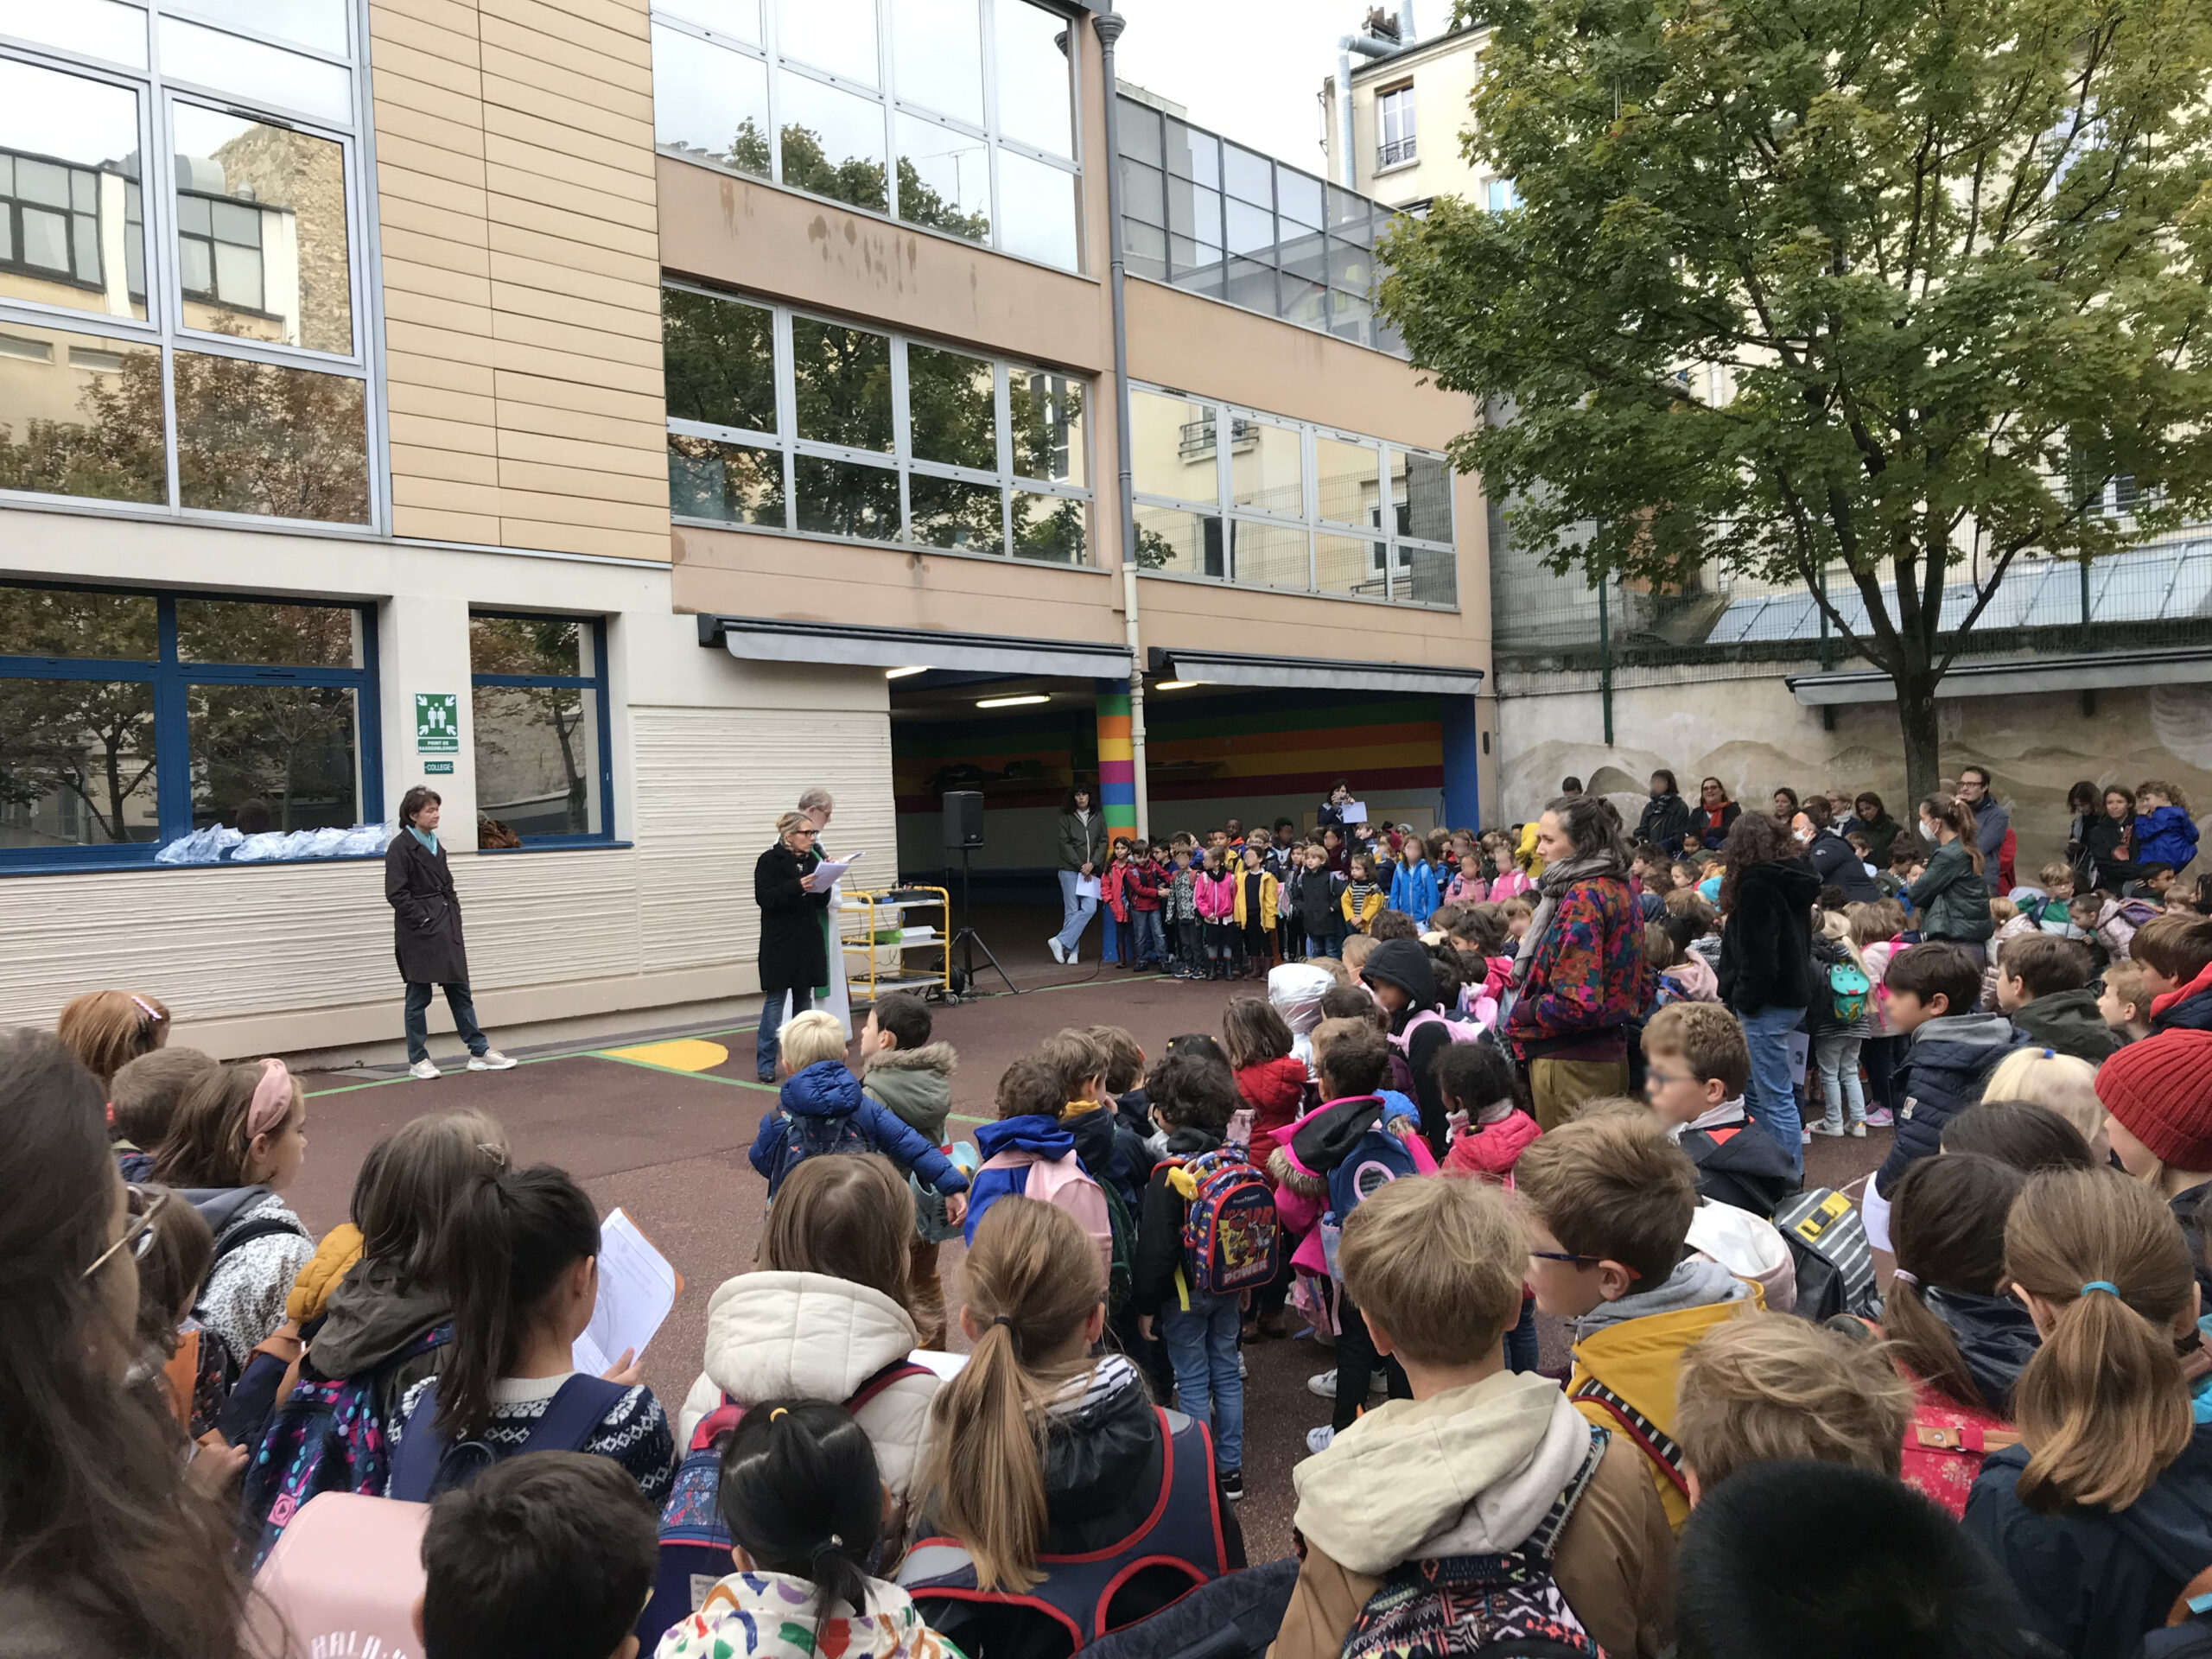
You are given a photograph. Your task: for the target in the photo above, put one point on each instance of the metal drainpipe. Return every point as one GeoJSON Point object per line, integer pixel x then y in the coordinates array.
{"type": "Point", "coordinates": [1368, 47]}
{"type": "Point", "coordinates": [1108, 26]}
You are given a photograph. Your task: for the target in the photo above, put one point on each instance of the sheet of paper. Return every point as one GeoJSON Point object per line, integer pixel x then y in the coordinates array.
{"type": "Point", "coordinates": [637, 1287]}
{"type": "Point", "coordinates": [1800, 1054]}
{"type": "Point", "coordinates": [1355, 812]}
{"type": "Point", "coordinates": [1086, 886]}
{"type": "Point", "coordinates": [831, 871]}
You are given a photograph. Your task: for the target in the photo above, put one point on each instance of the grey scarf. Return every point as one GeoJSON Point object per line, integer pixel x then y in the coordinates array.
{"type": "Point", "coordinates": [1555, 879]}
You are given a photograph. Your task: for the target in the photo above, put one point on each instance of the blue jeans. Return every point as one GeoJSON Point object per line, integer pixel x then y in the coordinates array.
{"type": "Point", "coordinates": [1331, 946]}
{"type": "Point", "coordinates": [1772, 1095]}
{"type": "Point", "coordinates": [1202, 1347]}
{"type": "Point", "coordinates": [1075, 913]}
{"type": "Point", "coordinates": [1520, 1340]}
{"type": "Point", "coordinates": [776, 1006]}
{"type": "Point", "coordinates": [1151, 938]}
{"type": "Point", "coordinates": [417, 1019]}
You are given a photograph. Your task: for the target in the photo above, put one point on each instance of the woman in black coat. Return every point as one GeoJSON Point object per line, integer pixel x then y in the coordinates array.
{"type": "Point", "coordinates": [2110, 840]}
{"type": "Point", "coordinates": [1766, 966]}
{"type": "Point", "coordinates": [426, 935]}
{"type": "Point", "coordinates": [1714, 814]}
{"type": "Point", "coordinates": [794, 950]}
{"type": "Point", "coordinates": [1881, 830]}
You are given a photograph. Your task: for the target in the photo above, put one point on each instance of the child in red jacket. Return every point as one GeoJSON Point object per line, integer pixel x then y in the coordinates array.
{"type": "Point", "coordinates": [1114, 894]}
{"type": "Point", "coordinates": [1273, 1084]}
{"type": "Point", "coordinates": [1490, 1132]}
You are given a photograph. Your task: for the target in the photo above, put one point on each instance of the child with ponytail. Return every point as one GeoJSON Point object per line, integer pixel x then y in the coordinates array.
{"type": "Point", "coordinates": [2104, 1511]}
{"type": "Point", "coordinates": [519, 1264]}
{"type": "Point", "coordinates": [1045, 1523]}
{"type": "Point", "coordinates": [804, 1503]}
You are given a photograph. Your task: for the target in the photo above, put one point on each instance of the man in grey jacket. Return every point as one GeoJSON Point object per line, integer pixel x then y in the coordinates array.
{"type": "Point", "coordinates": [1992, 819]}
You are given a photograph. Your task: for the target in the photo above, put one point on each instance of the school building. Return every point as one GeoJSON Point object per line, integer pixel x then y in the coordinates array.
{"type": "Point", "coordinates": [622, 417]}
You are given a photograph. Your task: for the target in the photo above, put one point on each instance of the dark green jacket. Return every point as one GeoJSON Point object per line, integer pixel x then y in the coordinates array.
{"type": "Point", "coordinates": [1951, 901]}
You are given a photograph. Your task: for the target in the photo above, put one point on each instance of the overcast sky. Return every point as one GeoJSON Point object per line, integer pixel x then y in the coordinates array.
{"type": "Point", "coordinates": [1248, 68]}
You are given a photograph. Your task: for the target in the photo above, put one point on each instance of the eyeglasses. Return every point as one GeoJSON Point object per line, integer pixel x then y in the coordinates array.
{"type": "Point", "coordinates": [1659, 1076]}
{"type": "Point", "coordinates": [1565, 1256]}
{"type": "Point", "coordinates": [138, 1235]}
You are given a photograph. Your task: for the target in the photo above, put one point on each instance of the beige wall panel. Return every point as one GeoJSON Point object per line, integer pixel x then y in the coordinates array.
{"type": "Point", "coordinates": [523, 82]}
{"type": "Point", "coordinates": [596, 299]}
{"type": "Point", "coordinates": [638, 374]}
{"type": "Point", "coordinates": [581, 229]}
{"type": "Point", "coordinates": [443, 461]}
{"type": "Point", "coordinates": [609, 29]}
{"type": "Point", "coordinates": [541, 399]}
{"type": "Point", "coordinates": [562, 536]}
{"type": "Point", "coordinates": [636, 317]}
{"type": "Point", "coordinates": [558, 52]}
{"type": "Point", "coordinates": [420, 490]}
{"type": "Point", "coordinates": [419, 396]}
{"type": "Point", "coordinates": [435, 526]}
{"type": "Point", "coordinates": [406, 184]}
{"type": "Point", "coordinates": [521, 329]}
{"type": "Point", "coordinates": [453, 131]}
{"type": "Point", "coordinates": [562, 256]}
{"type": "Point", "coordinates": [518, 170]}
{"type": "Point", "coordinates": [590, 136]}
{"type": "Point", "coordinates": [459, 351]}
{"type": "Point", "coordinates": [406, 276]}
{"type": "Point", "coordinates": [408, 249]}
{"type": "Point", "coordinates": [628, 462]}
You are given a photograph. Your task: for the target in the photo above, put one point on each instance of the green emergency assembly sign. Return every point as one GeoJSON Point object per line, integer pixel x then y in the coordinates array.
{"type": "Point", "coordinates": [438, 722]}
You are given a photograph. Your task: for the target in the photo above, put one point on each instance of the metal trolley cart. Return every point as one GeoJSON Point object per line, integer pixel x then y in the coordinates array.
{"type": "Point", "coordinates": [896, 940]}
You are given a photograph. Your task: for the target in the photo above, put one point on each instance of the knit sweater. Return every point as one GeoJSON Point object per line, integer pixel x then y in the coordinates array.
{"type": "Point", "coordinates": [635, 1433]}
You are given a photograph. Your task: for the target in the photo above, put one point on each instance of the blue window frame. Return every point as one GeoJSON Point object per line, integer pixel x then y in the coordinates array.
{"type": "Point", "coordinates": [541, 727]}
{"type": "Point", "coordinates": [129, 719]}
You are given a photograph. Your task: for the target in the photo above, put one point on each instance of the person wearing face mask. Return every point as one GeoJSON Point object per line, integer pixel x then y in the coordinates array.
{"type": "Point", "coordinates": [1666, 820]}
{"type": "Point", "coordinates": [1951, 898]}
{"type": "Point", "coordinates": [1830, 854]}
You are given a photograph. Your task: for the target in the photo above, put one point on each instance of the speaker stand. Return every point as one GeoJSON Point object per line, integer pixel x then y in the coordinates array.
{"type": "Point", "coordinates": [968, 942]}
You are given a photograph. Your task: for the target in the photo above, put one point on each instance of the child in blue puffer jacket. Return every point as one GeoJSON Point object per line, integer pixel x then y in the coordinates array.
{"type": "Point", "coordinates": [1413, 884]}
{"type": "Point", "coordinates": [822, 1110]}
{"type": "Point", "coordinates": [2164, 833]}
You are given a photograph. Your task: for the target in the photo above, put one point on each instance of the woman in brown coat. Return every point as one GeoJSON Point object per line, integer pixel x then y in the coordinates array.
{"type": "Point", "coordinates": [426, 935]}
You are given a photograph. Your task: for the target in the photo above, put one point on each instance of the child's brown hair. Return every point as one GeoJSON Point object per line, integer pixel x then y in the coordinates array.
{"type": "Point", "coordinates": [145, 1093]}
{"type": "Point", "coordinates": [1766, 1388]}
{"type": "Point", "coordinates": [107, 1030]}
{"type": "Point", "coordinates": [210, 1142]}
{"type": "Point", "coordinates": [1438, 1264]}
{"type": "Point", "coordinates": [2124, 979]}
{"type": "Point", "coordinates": [175, 1263]}
{"type": "Point", "coordinates": [1352, 1055]}
{"type": "Point", "coordinates": [850, 1218]}
{"type": "Point", "coordinates": [1030, 1087]}
{"type": "Point", "coordinates": [1077, 1058]}
{"type": "Point", "coordinates": [1124, 1059]}
{"type": "Point", "coordinates": [2045, 964]}
{"type": "Point", "coordinates": [1706, 1038]}
{"type": "Point", "coordinates": [1253, 1032]}
{"type": "Point", "coordinates": [1612, 1188]}
{"type": "Point", "coordinates": [1351, 1002]}
{"type": "Point", "coordinates": [1688, 901]}
{"type": "Point", "coordinates": [1517, 904]}
{"type": "Point", "coordinates": [2180, 947]}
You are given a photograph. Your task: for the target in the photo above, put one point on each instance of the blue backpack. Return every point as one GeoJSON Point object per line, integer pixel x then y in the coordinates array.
{"type": "Point", "coordinates": [806, 1137]}
{"type": "Point", "coordinates": [1377, 1159]}
{"type": "Point", "coordinates": [428, 1464]}
{"type": "Point", "coordinates": [326, 1437]}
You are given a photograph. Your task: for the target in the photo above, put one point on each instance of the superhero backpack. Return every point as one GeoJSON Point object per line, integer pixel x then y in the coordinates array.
{"type": "Point", "coordinates": [695, 1545]}
{"type": "Point", "coordinates": [1232, 1238]}
{"type": "Point", "coordinates": [1457, 1606]}
{"type": "Point", "coordinates": [326, 1437]}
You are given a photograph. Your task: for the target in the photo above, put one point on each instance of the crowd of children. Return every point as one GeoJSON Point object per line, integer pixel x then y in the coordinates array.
{"type": "Point", "coordinates": [2006, 1444]}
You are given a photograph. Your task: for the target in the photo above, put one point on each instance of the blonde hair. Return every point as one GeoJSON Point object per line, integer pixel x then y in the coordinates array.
{"type": "Point", "coordinates": [1763, 1388]}
{"type": "Point", "coordinates": [808, 1039]}
{"type": "Point", "coordinates": [1076, 1057]}
{"type": "Point", "coordinates": [2102, 1406]}
{"type": "Point", "coordinates": [789, 824]}
{"type": "Point", "coordinates": [2124, 979]}
{"type": "Point", "coordinates": [849, 1217]}
{"type": "Point", "coordinates": [1438, 1263]}
{"type": "Point", "coordinates": [1357, 947]}
{"type": "Point", "coordinates": [2066, 1085]}
{"type": "Point", "coordinates": [1836, 925]}
{"type": "Point", "coordinates": [2157, 786]}
{"type": "Point", "coordinates": [1874, 923]}
{"type": "Point", "coordinates": [1515, 904]}
{"type": "Point", "coordinates": [1033, 1281]}
{"type": "Point", "coordinates": [1705, 1037]}
{"type": "Point", "coordinates": [1612, 1188]}
{"type": "Point", "coordinates": [2002, 910]}
{"type": "Point", "coordinates": [107, 1030]}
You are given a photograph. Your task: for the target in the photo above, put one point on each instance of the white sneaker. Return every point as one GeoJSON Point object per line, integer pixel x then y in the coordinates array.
{"type": "Point", "coordinates": [1824, 1129]}
{"type": "Point", "coordinates": [1242, 1370]}
{"type": "Point", "coordinates": [1323, 1384]}
{"type": "Point", "coordinates": [1317, 1440]}
{"type": "Point", "coordinates": [425, 1070]}
{"type": "Point", "coordinates": [490, 1060]}
{"type": "Point", "coordinates": [1859, 1131]}
{"type": "Point", "coordinates": [1053, 945]}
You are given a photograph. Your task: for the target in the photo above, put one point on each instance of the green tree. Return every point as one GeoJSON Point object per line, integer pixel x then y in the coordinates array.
{"type": "Point", "coordinates": [855, 179]}
{"type": "Point", "coordinates": [1875, 287]}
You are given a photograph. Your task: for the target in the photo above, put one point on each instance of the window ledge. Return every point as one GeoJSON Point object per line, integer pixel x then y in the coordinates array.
{"type": "Point", "coordinates": [1226, 586]}
{"type": "Point", "coordinates": [1405, 166]}
{"type": "Point", "coordinates": [559, 844]}
{"type": "Point", "coordinates": [912, 549]}
{"type": "Point", "coordinates": [124, 866]}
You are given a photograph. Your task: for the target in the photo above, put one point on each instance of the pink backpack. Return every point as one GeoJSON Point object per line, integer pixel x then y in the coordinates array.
{"type": "Point", "coordinates": [345, 1576]}
{"type": "Point", "coordinates": [1064, 1184]}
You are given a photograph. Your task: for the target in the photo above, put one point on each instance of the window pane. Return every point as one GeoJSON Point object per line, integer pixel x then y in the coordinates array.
{"type": "Point", "coordinates": [944, 179]}
{"type": "Point", "coordinates": [1348, 479]}
{"type": "Point", "coordinates": [726, 481]}
{"type": "Point", "coordinates": [1342, 565]}
{"type": "Point", "coordinates": [261, 634]}
{"type": "Point", "coordinates": [1188, 544]}
{"type": "Point", "coordinates": [52, 622]}
{"type": "Point", "coordinates": [1033, 87]}
{"type": "Point", "coordinates": [1298, 196]}
{"type": "Point", "coordinates": [280, 754]}
{"type": "Point", "coordinates": [1268, 555]}
{"type": "Point", "coordinates": [81, 417]}
{"type": "Point", "coordinates": [1421, 487]}
{"type": "Point", "coordinates": [1351, 266]}
{"type": "Point", "coordinates": [1140, 132]}
{"type": "Point", "coordinates": [841, 497]}
{"type": "Point", "coordinates": [710, 104]}
{"type": "Point", "coordinates": [1348, 210]}
{"type": "Point", "coordinates": [1046, 410]}
{"type": "Point", "coordinates": [1252, 286]}
{"type": "Point", "coordinates": [833, 141]}
{"type": "Point", "coordinates": [1264, 473]}
{"type": "Point", "coordinates": [318, 24]}
{"type": "Point", "coordinates": [952, 409]}
{"type": "Point", "coordinates": [76, 763]}
{"type": "Point", "coordinates": [258, 73]}
{"type": "Point", "coordinates": [97, 29]}
{"type": "Point", "coordinates": [1051, 529]}
{"type": "Point", "coordinates": [1037, 210]}
{"type": "Point", "coordinates": [1305, 254]}
{"type": "Point", "coordinates": [1198, 264]}
{"type": "Point", "coordinates": [1302, 301]}
{"type": "Point", "coordinates": [950, 513]}
{"type": "Point", "coordinates": [1193, 154]}
{"type": "Point", "coordinates": [1144, 193]}
{"type": "Point", "coordinates": [1172, 447]}
{"type": "Point", "coordinates": [1250, 176]}
{"type": "Point", "coordinates": [1251, 230]}
{"type": "Point", "coordinates": [1144, 250]}
{"type": "Point", "coordinates": [277, 213]}
{"type": "Point", "coordinates": [1351, 317]}
{"type": "Point", "coordinates": [936, 56]}
{"type": "Point", "coordinates": [91, 132]}
{"type": "Point", "coordinates": [737, 17]}
{"type": "Point", "coordinates": [538, 758]}
{"type": "Point", "coordinates": [844, 385]}
{"type": "Point", "coordinates": [253, 437]}
{"type": "Point", "coordinates": [1426, 577]}
{"type": "Point", "coordinates": [718, 359]}
{"type": "Point", "coordinates": [529, 645]}
{"type": "Point", "coordinates": [1194, 211]}
{"type": "Point", "coordinates": [838, 36]}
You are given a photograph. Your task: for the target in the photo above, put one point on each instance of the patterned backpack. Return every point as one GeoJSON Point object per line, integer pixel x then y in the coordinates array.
{"type": "Point", "coordinates": [806, 1136]}
{"type": "Point", "coordinates": [325, 1438]}
{"type": "Point", "coordinates": [1233, 1239]}
{"type": "Point", "coordinates": [1467, 1604]}
{"type": "Point", "coordinates": [1835, 1261]}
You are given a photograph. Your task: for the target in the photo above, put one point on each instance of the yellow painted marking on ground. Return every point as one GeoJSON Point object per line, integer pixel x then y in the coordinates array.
{"type": "Point", "coordinates": [680, 1054]}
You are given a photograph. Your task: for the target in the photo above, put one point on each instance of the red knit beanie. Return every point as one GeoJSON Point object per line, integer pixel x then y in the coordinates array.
{"type": "Point", "coordinates": [2160, 1088]}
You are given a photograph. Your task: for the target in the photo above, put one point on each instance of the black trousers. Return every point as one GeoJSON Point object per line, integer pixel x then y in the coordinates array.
{"type": "Point", "coordinates": [1356, 1360]}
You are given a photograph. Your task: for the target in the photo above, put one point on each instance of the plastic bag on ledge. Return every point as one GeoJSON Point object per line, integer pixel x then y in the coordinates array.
{"type": "Point", "coordinates": [201, 847]}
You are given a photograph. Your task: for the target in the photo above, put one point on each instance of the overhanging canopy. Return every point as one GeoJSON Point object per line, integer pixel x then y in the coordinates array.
{"type": "Point", "coordinates": [2188, 665]}
{"type": "Point", "coordinates": [769, 639]}
{"type": "Point", "coordinates": [1318, 673]}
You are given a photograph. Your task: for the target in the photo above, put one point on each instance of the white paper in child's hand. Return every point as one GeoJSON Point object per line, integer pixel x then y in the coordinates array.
{"type": "Point", "coordinates": [637, 1288]}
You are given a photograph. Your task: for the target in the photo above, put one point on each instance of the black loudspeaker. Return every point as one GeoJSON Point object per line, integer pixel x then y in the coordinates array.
{"type": "Point", "coordinates": [963, 819]}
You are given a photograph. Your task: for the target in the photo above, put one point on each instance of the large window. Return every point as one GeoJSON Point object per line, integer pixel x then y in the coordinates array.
{"type": "Point", "coordinates": [181, 294]}
{"type": "Point", "coordinates": [955, 115]}
{"type": "Point", "coordinates": [1210, 216]}
{"type": "Point", "coordinates": [129, 720]}
{"type": "Point", "coordinates": [540, 720]}
{"type": "Point", "coordinates": [1264, 502]}
{"type": "Point", "coordinates": [1393, 112]}
{"type": "Point", "coordinates": [781, 420]}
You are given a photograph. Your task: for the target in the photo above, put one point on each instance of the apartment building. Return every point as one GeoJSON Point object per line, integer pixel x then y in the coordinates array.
{"type": "Point", "coordinates": [621, 418]}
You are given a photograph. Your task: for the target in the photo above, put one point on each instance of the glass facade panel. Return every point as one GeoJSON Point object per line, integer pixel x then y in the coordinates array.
{"type": "Point", "coordinates": [1252, 286]}
{"type": "Point", "coordinates": [710, 105]}
{"type": "Point", "coordinates": [534, 747]}
{"type": "Point", "coordinates": [1144, 193]}
{"type": "Point", "coordinates": [1038, 205]}
{"type": "Point", "coordinates": [260, 438]}
{"type": "Point", "coordinates": [58, 622]}
{"type": "Point", "coordinates": [1179, 543]}
{"type": "Point", "coordinates": [1348, 482]}
{"type": "Point", "coordinates": [718, 361]}
{"type": "Point", "coordinates": [283, 755]}
{"type": "Point", "coordinates": [832, 142]}
{"type": "Point", "coordinates": [1194, 211]}
{"type": "Point", "coordinates": [77, 764]}
{"type": "Point", "coordinates": [953, 513]}
{"type": "Point", "coordinates": [1033, 97]}
{"type": "Point", "coordinates": [1345, 565]}
{"type": "Point", "coordinates": [944, 178]}
{"type": "Point", "coordinates": [261, 231]}
{"type": "Point", "coordinates": [1299, 196]}
{"type": "Point", "coordinates": [838, 498]}
{"type": "Point", "coordinates": [1266, 473]}
{"type": "Point", "coordinates": [1270, 555]}
{"type": "Point", "coordinates": [1052, 529]}
{"type": "Point", "coordinates": [81, 416]}
{"type": "Point", "coordinates": [1250, 176]}
{"type": "Point", "coordinates": [731, 483]}
{"type": "Point", "coordinates": [952, 409]}
{"type": "Point", "coordinates": [104, 29]}
{"type": "Point", "coordinates": [843, 380]}
{"type": "Point", "coordinates": [263, 635]}
{"type": "Point", "coordinates": [739, 18]}
{"type": "Point", "coordinates": [69, 159]}
{"type": "Point", "coordinates": [1044, 414]}
{"type": "Point", "coordinates": [319, 25]}
{"type": "Point", "coordinates": [1172, 446]}
{"type": "Point", "coordinates": [937, 55]}
{"type": "Point", "coordinates": [258, 74]}
{"type": "Point", "coordinates": [1194, 154]}
{"type": "Point", "coordinates": [1144, 249]}
{"type": "Point", "coordinates": [838, 36]}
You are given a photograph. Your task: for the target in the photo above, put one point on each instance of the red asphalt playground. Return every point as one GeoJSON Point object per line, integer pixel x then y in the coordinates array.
{"type": "Point", "coordinates": [659, 1122]}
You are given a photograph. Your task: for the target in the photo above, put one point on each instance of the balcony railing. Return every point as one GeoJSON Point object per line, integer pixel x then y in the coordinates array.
{"type": "Point", "coordinates": [1393, 151]}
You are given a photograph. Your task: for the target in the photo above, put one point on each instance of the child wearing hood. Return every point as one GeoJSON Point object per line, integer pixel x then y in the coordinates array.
{"type": "Point", "coordinates": [823, 1108]}
{"type": "Point", "coordinates": [1402, 978]}
{"type": "Point", "coordinates": [1031, 1097]}
{"type": "Point", "coordinates": [902, 1069]}
{"type": "Point", "coordinates": [1472, 1462]}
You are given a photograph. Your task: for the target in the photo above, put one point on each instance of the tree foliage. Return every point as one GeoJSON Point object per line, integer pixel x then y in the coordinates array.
{"type": "Point", "coordinates": [1880, 287]}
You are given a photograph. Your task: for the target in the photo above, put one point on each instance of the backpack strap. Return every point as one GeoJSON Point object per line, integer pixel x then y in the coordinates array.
{"type": "Point", "coordinates": [1543, 1542]}
{"type": "Point", "coordinates": [716, 1423]}
{"type": "Point", "coordinates": [422, 1449]}
{"type": "Point", "coordinates": [260, 1227]}
{"type": "Point", "coordinates": [576, 1408]}
{"type": "Point", "coordinates": [1964, 1437]}
{"type": "Point", "coordinates": [897, 1371]}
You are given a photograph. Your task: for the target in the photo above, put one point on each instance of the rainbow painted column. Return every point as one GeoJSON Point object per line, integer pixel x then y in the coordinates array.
{"type": "Point", "coordinates": [1117, 771]}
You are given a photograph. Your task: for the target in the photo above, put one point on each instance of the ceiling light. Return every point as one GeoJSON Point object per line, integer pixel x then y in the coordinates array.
{"type": "Point", "coordinates": [1012, 702]}
{"type": "Point", "coordinates": [901, 673]}
{"type": "Point", "coordinates": [1175, 686]}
